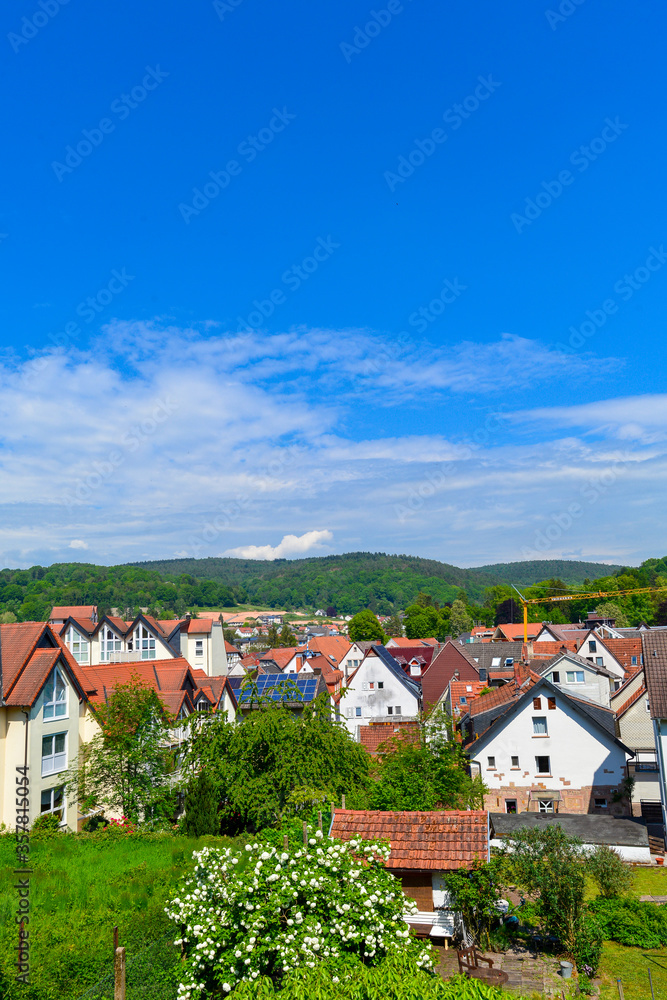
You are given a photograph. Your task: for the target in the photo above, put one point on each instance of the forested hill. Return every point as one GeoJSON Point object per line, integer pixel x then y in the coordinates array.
{"type": "Point", "coordinates": [362, 579]}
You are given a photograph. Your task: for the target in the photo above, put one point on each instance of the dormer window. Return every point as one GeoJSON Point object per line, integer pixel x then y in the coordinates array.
{"type": "Point", "coordinates": [144, 643]}
{"type": "Point", "coordinates": [110, 646]}
{"type": "Point", "coordinates": [55, 696]}
{"type": "Point", "coordinates": [78, 645]}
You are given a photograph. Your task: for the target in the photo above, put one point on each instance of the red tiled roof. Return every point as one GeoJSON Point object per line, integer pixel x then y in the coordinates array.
{"type": "Point", "coordinates": [404, 642]}
{"type": "Point", "coordinates": [82, 610]}
{"type": "Point", "coordinates": [329, 645]}
{"type": "Point", "coordinates": [197, 625]}
{"type": "Point", "coordinates": [624, 649]}
{"type": "Point", "coordinates": [281, 655]}
{"type": "Point", "coordinates": [450, 659]}
{"type": "Point", "coordinates": [17, 641]}
{"type": "Point", "coordinates": [374, 736]}
{"type": "Point", "coordinates": [164, 677]}
{"type": "Point", "coordinates": [548, 649]}
{"type": "Point", "coordinates": [33, 677]}
{"type": "Point", "coordinates": [231, 649]}
{"type": "Point", "coordinates": [515, 632]}
{"type": "Point", "coordinates": [421, 841]}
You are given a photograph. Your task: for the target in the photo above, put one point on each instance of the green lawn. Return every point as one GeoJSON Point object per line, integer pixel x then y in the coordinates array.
{"type": "Point", "coordinates": [631, 966]}
{"type": "Point", "coordinates": [81, 887]}
{"type": "Point", "coordinates": [650, 881]}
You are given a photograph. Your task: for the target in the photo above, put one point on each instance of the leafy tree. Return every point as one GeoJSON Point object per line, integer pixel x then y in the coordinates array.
{"type": "Point", "coordinates": [259, 764]}
{"type": "Point", "coordinates": [424, 600]}
{"type": "Point", "coordinates": [7, 617]}
{"type": "Point", "coordinates": [421, 622]}
{"type": "Point", "coordinates": [127, 766]}
{"type": "Point", "coordinates": [394, 627]}
{"type": "Point", "coordinates": [287, 636]}
{"type": "Point", "coordinates": [612, 876]}
{"type": "Point", "coordinates": [364, 627]}
{"type": "Point", "coordinates": [230, 636]}
{"type": "Point", "coordinates": [474, 893]}
{"type": "Point", "coordinates": [273, 637]}
{"type": "Point", "coordinates": [201, 806]}
{"type": "Point", "coordinates": [610, 609]}
{"type": "Point", "coordinates": [424, 771]}
{"type": "Point", "coordinates": [460, 620]}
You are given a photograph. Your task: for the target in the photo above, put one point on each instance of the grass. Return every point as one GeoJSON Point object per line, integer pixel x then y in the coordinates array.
{"type": "Point", "coordinates": [631, 966]}
{"type": "Point", "coordinates": [650, 881]}
{"type": "Point", "coordinates": [81, 888]}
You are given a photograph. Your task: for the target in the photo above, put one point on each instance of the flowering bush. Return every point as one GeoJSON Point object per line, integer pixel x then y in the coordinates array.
{"type": "Point", "coordinates": [119, 827]}
{"type": "Point", "coordinates": [262, 912]}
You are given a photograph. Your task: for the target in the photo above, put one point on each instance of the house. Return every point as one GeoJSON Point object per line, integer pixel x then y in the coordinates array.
{"type": "Point", "coordinates": [451, 662]}
{"type": "Point", "coordinates": [113, 640]}
{"type": "Point", "coordinates": [495, 663]}
{"type": "Point", "coordinates": [203, 645]}
{"type": "Point", "coordinates": [514, 633]}
{"type": "Point", "coordinates": [378, 735]}
{"type": "Point", "coordinates": [578, 677]}
{"type": "Point", "coordinates": [595, 649]}
{"type": "Point", "coordinates": [294, 693]}
{"type": "Point", "coordinates": [545, 751]}
{"type": "Point", "coordinates": [424, 846]}
{"type": "Point", "coordinates": [233, 655]}
{"type": "Point", "coordinates": [655, 667]}
{"type": "Point", "coordinates": [379, 688]}
{"type": "Point", "coordinates": [41, 707]}
{"type": "Point", "coordinates": [59, 615]}
{"type": "Point", "coordinates": [628, 838]}
{"type": "Point", "coordinates": [398, 640]}
{"type": "Point", "coordinates": [340, 652]}
{"type": "Point", "coordinates": [634, 727]}
{"type": "Point", "coordinates": [415, 660]}
{"type": "Point", "coordinates": [459, 694]}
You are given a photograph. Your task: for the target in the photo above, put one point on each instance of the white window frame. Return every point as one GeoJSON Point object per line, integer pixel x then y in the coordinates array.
{"type": "Point", "coordinates": [575, 676]}
{"type": "Point", "coordinates": [110, 644]}
{"type": "Point", "coordinates": [545, 805]}
{"type": "Point", "coordinates": [543, 756]}
{"type": "Point", "coordinates": [54, 810]}
{"type": "Point", "coordinates": [145, 643]}
{"type": "Point", "coordinates": [78, 645]}
{"type": "Point", "coordinates": [56, 759]}
{"type": "Point", "coordinates": [52, 704]}
{"type": "Point", "coordinates": [537, 722]}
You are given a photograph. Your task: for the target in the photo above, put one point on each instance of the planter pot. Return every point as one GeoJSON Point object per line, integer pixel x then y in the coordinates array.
{"type": "Point", "coordinates": [659, 861]}
{"type": "Point", "coordinates": [566, 970]}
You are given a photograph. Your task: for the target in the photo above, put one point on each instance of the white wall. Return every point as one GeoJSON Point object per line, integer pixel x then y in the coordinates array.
{"type": "Point", "coordinates": [373, 703]}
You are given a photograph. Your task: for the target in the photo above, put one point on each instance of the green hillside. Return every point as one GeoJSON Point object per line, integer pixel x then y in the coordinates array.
{"type": "Point", "coordinates": [572, 572]}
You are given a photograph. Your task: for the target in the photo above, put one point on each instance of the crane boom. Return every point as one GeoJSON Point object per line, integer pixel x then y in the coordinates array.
{"type": "Point", "coordinates": [525, 601]}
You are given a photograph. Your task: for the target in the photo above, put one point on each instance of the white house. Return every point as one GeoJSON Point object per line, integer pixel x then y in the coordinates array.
{"type": "Point", "coordinates": [549, 752]}
{"type": "Point", "coordinates": [579, 677]}
{"type": "Point", "coordinates": [655, 667]}
{"type": "Point", "coordinates": [379, 689]}
{"type": "Point", "coordinates": [634, 727]}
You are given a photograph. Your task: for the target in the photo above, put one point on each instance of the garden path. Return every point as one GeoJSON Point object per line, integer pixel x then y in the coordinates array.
{"type": "Point", "coordinates": [527, 973]}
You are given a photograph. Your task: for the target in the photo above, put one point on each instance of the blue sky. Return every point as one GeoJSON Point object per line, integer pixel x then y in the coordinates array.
{"type": "Point", "coordinates": [309, 278]}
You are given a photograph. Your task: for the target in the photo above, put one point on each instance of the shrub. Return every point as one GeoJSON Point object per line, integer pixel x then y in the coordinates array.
{"type": "Point", "coordinates": [612, 876]}
{"type": "Point", "coordinates": [588, 944]}
{"type": "Point", "coordinates": [264, 913]}
{"type": "Point", "coordinates": [94, 823]}
{"type": "Point", "coordinates": [46, 826]}
{"type": "Point", "coordinates": [201, 807]}
{"type": "Point", "coordinates": [474, 892]}
{"type": "Point", "coordinates": [630, 922]}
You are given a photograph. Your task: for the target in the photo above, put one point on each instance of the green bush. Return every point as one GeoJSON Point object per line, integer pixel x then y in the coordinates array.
{"type": "Point", "coordinates": [630, 922]}
{"type": "Point", "coordinates": [46, 826]}
{"type": "Point", "coordinates": [588, 944]}
{"type": "Point", "coordinates": [611, 875]}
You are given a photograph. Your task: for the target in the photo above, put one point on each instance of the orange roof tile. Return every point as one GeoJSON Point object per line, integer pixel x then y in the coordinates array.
{"type": "Point", "coordinates": [421, 841]}
{"type": "Point", "coordinates": [378, 734]}
{"type": "Point", "coordinates": [82, 610]}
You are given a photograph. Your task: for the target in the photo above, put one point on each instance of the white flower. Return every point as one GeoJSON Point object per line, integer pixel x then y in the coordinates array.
{"type": "Point", "coordinates": [226, 987]}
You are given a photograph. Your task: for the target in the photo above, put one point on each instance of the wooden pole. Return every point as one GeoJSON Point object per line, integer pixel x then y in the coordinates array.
{"type": "Point", "coordinates": [305, 833]}
{"type": "Point", "coordinates": [319, 819]}
{"type": "Point", "coordinates": [343, 801]}
{"type": "Point", "coordinates": [115, 942]}
{"type": "Point", "coordinates": [119, 975]}
{"type": "Point", "coordinates": [285, 843]}
{"type": "Point", "coordinates": [620, 989]}
{"type": "Point", "coordinates": [650, 979]}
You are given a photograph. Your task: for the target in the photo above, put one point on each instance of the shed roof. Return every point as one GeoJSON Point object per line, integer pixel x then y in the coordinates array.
{"type": "Point", "coordinates": [591, 828]}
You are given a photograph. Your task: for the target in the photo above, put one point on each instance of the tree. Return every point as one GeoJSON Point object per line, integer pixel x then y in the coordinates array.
{"type": "Point", "coordinates": [474, 893]}
{"type": "Point", "coordinates": [424, 771]}
{"type": "Point", "coordinates": [394, 627]}
{"type": "Point", "coordinates": [364, 627]}
{"type": "Point", "coordinates": [201, 806]}
{"type": "Point", "coordinates": [287, 636]}
{"type": "Point", "coordinates": [421, 622]}
{"type": "Point", "coordinates": [276, 911]}
{"type": "Point", "coordinates": [273, 637]}
{"type": "Point", "coordinates": [230, 636]}
{"type": "Point", "coordinates": [460, 620]}
{"type": "Point", "coordinates": [610, 609]}
{"type": "Point", "coordinates": [260, 765]}
{"type": "Point", "coordinates": [128, 764]}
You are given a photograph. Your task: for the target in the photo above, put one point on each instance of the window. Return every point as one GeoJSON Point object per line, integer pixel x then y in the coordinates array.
{"type": "Point", "coordinates": [555, 677]}
{"type": "Point", "coordinates": [491, 761]}
{"type": "Point", "coordinates": [55, 696]}
{"type": "Point", "coordinates": [540, 725]}
{"type": "Point", "coordinates": [380, 685]}
{"type": "Point", "coordinates": [599, 661]}
{"type": "Point", "coordinates": [633, 661]}
{"type": "Point", "coordinates": [537, 703]}
{"type": "Point", "coordinates": [510, 806]}
{"type": "Point", "coordinates": [355, 663]}
{"type": "Point", "coordinates": [203, 705]}
{"type": "Point", "coordinates": [552, 704]}
{"type": "Point", "coordinates": [592, 646]}
{"type": "Point", "coordinates": [468, 687]}
{"type": "Point", "coordinates": [357, 711]}
{"type": "Point", "coordinates": [463, 700]}
{"type": "Point", "coordinates": [575, 677]}
{"type": "Point", "coordinates": [495, 662]}
{"type": "Point", "coordinates": [545, 805]}
{"type": "Point", "coordinates": [371, 685]}
{"type": "Point", "coordinates": [199, 647]}
{"type": "Point", "coordinates": [515, 761]}
{"type": "Point", "coordinates": [54, 753]}
{"type": "Point", "coordinates": [397, 710]}
{"type": "Point", "coordinates": [52, 802]}
{"type": "Point", "coordinates": [600, 803]}
{"type": "Point", "coordinates": [543, 765]}
{"type": "Point", "coordinates": [415, 670]}
{"type": "Point", "coordinates": [145, 643]}
{"type": "Point", "coordinates": [110, 645]}
{"type": "Point", "coordinates": [349, 711]}
{"type": "Point", "coordinates": [645, 760]}
{"type": "Point", "coordinates": [78, 645]}
{"type": "Point", "coordinates": [390, 710]}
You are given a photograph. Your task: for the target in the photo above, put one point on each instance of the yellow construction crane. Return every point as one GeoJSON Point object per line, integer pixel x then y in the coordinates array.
{"type": "Point", "coordinates": [576, 597]}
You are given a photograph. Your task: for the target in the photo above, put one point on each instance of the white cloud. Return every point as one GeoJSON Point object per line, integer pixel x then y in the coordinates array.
{"type": "Point", "coordinates": [76, 543]}
{"type": "Point", "coordinates": [629, 418]}
{"type": "Point", "coordinates": [291, 545]}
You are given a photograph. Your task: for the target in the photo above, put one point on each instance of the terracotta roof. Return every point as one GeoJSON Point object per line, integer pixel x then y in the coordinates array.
{"type": "Point", "coordinates": [82, 610]}
{"type": "Point", "coordinates": [164, 676]}
{"type": "Point", "coordinates": [504, 695]}
{"type": "Point", "coordinates": [421, 841]}
{"type": "Point", "coordinates": [197, 625]}
{"type": "Point", "coordinates": [17, 641]}
{"type": "Point", "coordinates": [33, 676]}
{"type": "Point", "coordinates": [118, 623]}
{"type": "Point", "coordinates": [331, 676]}
{"type": "Point", "coordinates": [404, 642]}
{"type": "Point", "coordinates": [231, 649]}
{"type": "Point", "coordinates": [515, 632]}
{"type": "Point", "coordinates": [547, 650]}
{"type": "Point", "coordinates": [655, 667]}
{"type": "Point", "coordinates": [624, 649]}
{"type": "Point", "coordinates": [281, 655]}
{"type": "Point", "coordinates": [329, 645]}
{"type": "Point", "coordinates": [403, 654]}
{"type": "Point", "coordinates": [376, 735]}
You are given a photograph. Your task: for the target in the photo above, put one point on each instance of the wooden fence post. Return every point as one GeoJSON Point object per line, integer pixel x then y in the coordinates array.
{"type": "Point", "coordinates": [285, 843]}
{"type": "Point", "coordinates": [115, 942]}
{"type": "Point", "coordinates": [620, 989]}
{"type": "Point", "coordinates": [343, 801]}
{"type": "Point", "coordinates": [305, 834]}
{"type": "Point", "coordinates": [319, 820]}
{"type": "Point", "coordinates": [119, 975]}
